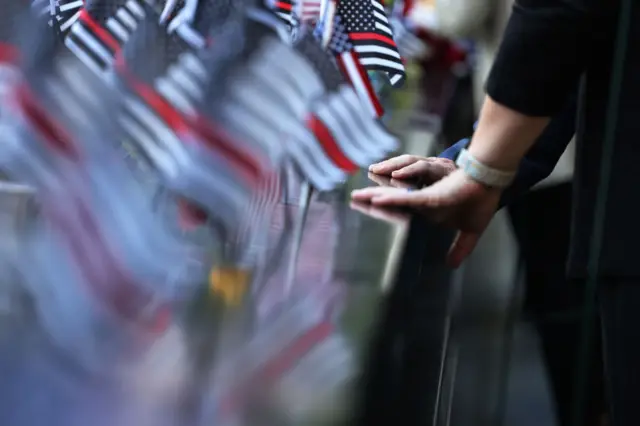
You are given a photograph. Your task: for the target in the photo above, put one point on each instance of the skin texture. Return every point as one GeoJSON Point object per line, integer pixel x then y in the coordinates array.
{"type": "Point", "coordinates": [502, 138]}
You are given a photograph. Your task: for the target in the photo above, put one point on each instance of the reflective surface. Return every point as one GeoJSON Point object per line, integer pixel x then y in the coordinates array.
{"type": "Point", "coordinates": [288, 341]}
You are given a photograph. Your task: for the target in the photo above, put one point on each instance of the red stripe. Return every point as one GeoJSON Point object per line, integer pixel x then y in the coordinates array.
{"type": "Point", "coordinates": [329, 144]}
{"type": "Point", "coordinates": [215, 138]}
{"type": "Point", "coordinates": [372, 36]}
{"type": "Point", "coordinates": [163, 108]}
{"type": "Point", "coordinates": [212, 137]}
{"type": "Point", "coordinates": [54, 135]}
{"type": "Point", "coordinates": [99, 31]}
{"type": "Point", "coordinates": [8, 53]}
{"type": "Point", "coordinates": [363, 78]}
{"type": "Point", "coordinates": [284, 5]}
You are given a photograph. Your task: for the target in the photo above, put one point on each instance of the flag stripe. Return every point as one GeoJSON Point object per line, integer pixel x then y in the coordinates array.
{"type": "Point", "coordinates": [360, 82]}
{"type": "Point", "coordinates": [331, 148]}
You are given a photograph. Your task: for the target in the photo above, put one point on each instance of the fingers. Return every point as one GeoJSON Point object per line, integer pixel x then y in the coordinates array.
{"type": "Point", "coordinates": [387, 166]}
{"type": "Point", "coordinates": [386, 181]}
{"type": "Point", "coordinates": [461, 248]}
{"type": "Point", "coordinates": [430, 168]}
{"type": "Point", "coordinates": [367, 195]}
{"type": "Point", "coordinates": [379, 179]}
{"type": "Point", "coordinates": [396, 183]}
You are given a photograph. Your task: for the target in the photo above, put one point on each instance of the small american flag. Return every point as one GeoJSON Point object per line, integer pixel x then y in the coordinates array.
{"type": "Point", "coordinates": [102, 27]}
{"type": "Point", "coordinates": [65, 13]}
{"type": "Point", "coordinates": [284, 9]}
{"type": "Point", "coordinates": [368, 27]}
{"type": "Point", "coordinates": [309, 10]}
{"type": "Point", "coordinates": [350, 64]}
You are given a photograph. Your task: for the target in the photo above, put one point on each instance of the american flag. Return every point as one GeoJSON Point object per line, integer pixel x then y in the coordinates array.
{"type": "Point", "coordinates": [65, 13]}
{"type": "Point", "coordinates": [163, 118]}
{"type": "Point", "coordinates": [368, 27]}
{"type": "Point", "coordinates": [53, 161]}
{"type": "Point", "coordinates": [284, 9]}
{"type": "Point", "coordinates": [101, 30]}
{"type": "Point", "coordinates": [267, 89]}
{"type": "Point", "coordinates": [349, 62]}
{"type": "Point", "coordinates": [309, 10]}
{"type": "Point", "coordinates": [349, 133]}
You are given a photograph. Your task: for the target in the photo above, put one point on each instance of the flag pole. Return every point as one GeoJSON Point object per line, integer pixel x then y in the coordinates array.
{"type": "Point", "coordinates": [306, 191]}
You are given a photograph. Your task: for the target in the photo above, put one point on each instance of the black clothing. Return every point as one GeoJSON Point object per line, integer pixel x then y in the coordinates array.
{"type": "Point", "coordinates": [554, 303]}
{"type": "Point", "coordinates": [548, 45]}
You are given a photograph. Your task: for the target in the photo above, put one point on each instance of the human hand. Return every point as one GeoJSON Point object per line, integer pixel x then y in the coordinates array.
{"type": "Point", "coordinates": [383, 180]}
{"type": "Point", "coordinates": [406, 166]}
{"type": "Point", "coordinates": [455, 200]}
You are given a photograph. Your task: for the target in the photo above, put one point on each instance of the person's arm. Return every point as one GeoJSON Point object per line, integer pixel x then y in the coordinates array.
{"type": "Point", "coordinates": [540, 60]}
{"type": "Point", "coordinates": [542, 158]}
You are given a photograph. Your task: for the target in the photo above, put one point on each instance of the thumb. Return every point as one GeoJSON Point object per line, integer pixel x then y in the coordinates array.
{"type": "Point", "coordinates": [462, 247]}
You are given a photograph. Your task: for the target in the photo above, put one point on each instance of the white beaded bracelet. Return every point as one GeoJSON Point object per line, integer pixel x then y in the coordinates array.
{"type": "Point", "coordinates": [481, 173]}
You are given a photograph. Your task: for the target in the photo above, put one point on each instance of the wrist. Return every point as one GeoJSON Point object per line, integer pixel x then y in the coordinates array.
{"type": "Point", "coordinates": [482, 173]}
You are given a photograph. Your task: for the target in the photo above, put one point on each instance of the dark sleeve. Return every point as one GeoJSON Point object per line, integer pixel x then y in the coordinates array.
{"type": "Point", "coordinates": [543, 53]}
{"type": "Point", "coordinates": [543, 156]}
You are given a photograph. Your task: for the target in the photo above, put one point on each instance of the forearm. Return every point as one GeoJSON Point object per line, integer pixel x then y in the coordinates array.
{"type": "Point", "coordinates": [540, 60]}
{"type": "Point", "coordinates": [504, 136]}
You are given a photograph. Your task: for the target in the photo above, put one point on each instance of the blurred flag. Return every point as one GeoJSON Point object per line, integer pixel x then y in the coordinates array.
{"type": "Point", "coordinates": [410, 45]}
{"type": "Point", "coordinates": [347, 129]}
{"type": "Point", "coordinates": [65, 13]}
{"type": "Point", "coordinates": [263, 94]}
{"type": "Point", "coordinates": [195, 158]}
{"type": "Point", "coordinates": [284, 9]}
{"type": "Point", "coordinates": [309, 10]}
{"type": "Point", "coordinates": [101, 29]}
{"type": "Point", "coordinates": [370, 32]}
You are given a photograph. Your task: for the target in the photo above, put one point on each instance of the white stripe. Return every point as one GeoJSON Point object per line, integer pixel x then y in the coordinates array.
{"type": "Point", "coordinates": [125, 17]}
{"type": "Point", "coordinates": [163, 135]}
{"type": "Point", "coordinates": [191, 36]}
{"type": "Point", "coordinates": [395, 78]}
{"type": "Point", "coordinates": [382, 63]}
{"type": "Point", "coordinates": [384, 29]}
{"type": "Point", "coordinates": [381, 16]}
{"type": "Point", "coordinates": [135, 8]}
{"type": "Point", "coordinates": [378, 5]}
{"type": "Point", "coordinates": [72, 5]}
{"type": "Point", "coordinates": [160, 158]}
{"type": "Point", "coordinates": [82, 55]}
{"type": "Point", "coordinates": [83, 85]}
{"type": "Point", "coordinates": [184, 80]}
{"type": "Point", "coordinates": [70, 103]}
{"type": "Point", "coordinates": [358, 84]}
{"type": "Point", "coordinates": [348, 107]}
{"type": "Point", "coordinates": [341, 135]}
{"type": "Point", "coordinates": [377, 49]}
{"type": "Point", "coordinates": [193, 64]}
{"type": "Point", "coordinates": [66, 24]}
{"type": "Point", "coordinates": [375, 129]}
{"type": "Point", "coordinates": [117, 29]}
{"type": "Point", "coordinates": [327, 20]}
{"type": "Point", "coordinates": [91, 43]}
{"type": "Point", "coordinates": [174, 95]}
